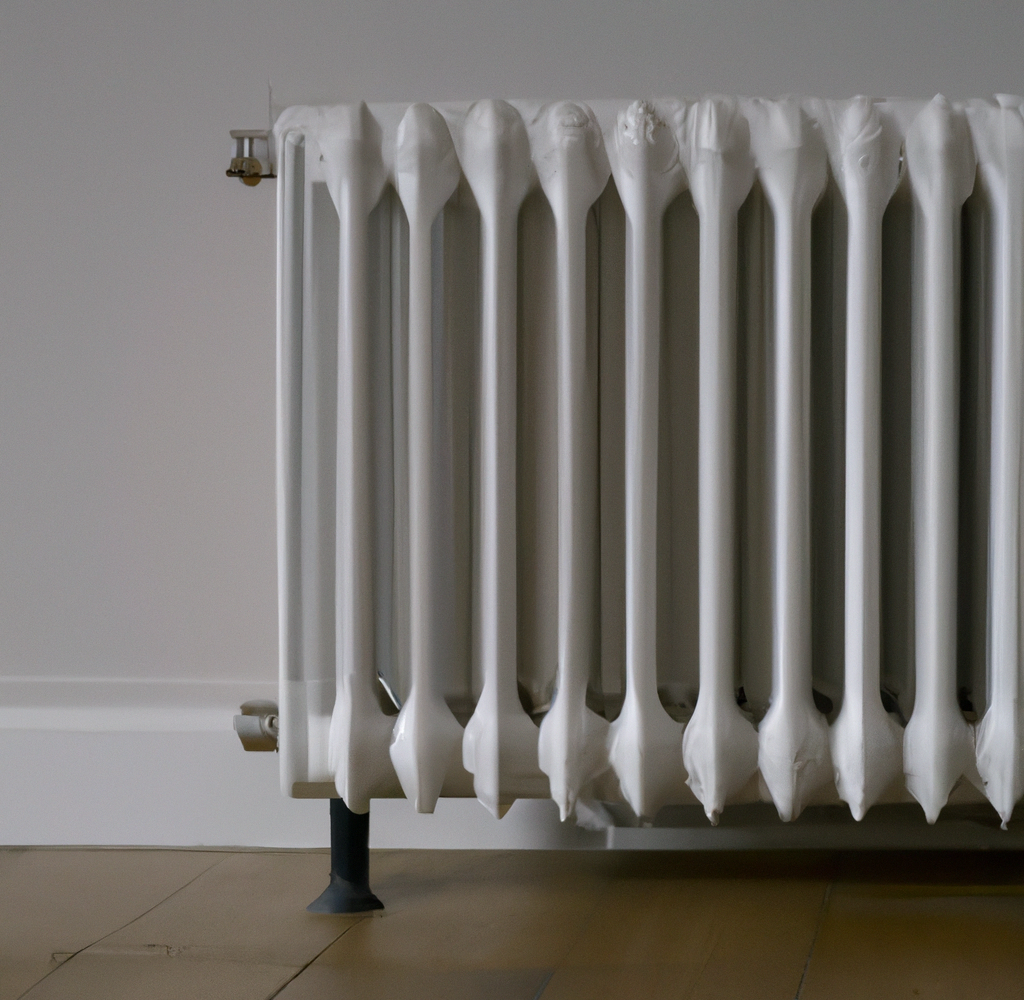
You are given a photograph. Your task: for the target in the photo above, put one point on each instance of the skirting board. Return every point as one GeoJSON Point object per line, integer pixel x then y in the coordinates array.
{"type": "Point", "coordinates": [141, 762]}
{"type": "Point", "coordinates": [156, 763]}
{"type": "Point", "coordinates": [200, 789]}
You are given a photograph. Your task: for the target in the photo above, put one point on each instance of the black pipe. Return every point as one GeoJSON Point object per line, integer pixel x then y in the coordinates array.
{"type": "Point", "coordinates": [349, 888]}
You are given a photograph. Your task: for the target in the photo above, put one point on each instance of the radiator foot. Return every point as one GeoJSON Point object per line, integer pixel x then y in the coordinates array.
{"type": "Point", "coordinates": [349, 888]}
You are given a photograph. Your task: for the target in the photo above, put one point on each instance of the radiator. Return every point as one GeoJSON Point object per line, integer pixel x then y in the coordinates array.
{"type": "Point", "coordinates": [656, 452]}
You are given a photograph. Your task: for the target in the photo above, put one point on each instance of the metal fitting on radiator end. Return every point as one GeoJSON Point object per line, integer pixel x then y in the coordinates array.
{"type": "Point", "coordinates": [251, 156]}
{"type": "Point", "coordinates": [257, 726]}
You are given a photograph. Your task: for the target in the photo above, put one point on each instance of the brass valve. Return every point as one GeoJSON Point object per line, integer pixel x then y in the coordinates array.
{"type": "Point", "coordinates": [251, 160]}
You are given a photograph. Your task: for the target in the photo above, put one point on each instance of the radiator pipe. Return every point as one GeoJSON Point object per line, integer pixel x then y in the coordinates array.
{"type": "Point", "coordinates": [938, 743]}
{"type": "Point", "coordinates": [793, 751]}
{"type": "Point", "coordinates": [349, 888]}
{"type": "Point", "coordinates": [645, 742]}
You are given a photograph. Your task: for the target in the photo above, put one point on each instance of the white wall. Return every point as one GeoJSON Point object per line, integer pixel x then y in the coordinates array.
{"type": "Point", "coordinates": [137, 573]}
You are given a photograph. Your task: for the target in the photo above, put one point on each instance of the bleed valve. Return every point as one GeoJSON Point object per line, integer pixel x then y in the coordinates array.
{"type": "Point", "coordinates": [257, 726]}
{"type": "Point", "coordinates": [250, 159]}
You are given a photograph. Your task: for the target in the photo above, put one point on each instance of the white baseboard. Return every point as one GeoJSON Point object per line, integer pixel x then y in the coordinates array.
{"type": "Point", "coordinates": [157, 764]}
{"type": "Point", "coordinates": [200, 789]}
{"type": "Point", "coordinates": [181, 789]}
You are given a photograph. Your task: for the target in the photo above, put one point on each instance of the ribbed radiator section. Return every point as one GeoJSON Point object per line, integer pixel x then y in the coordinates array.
{"type": "Point", "coordinates": [652, 452]}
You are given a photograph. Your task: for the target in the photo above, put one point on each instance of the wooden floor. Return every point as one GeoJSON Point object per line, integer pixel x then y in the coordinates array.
{"type": "Point", "coordinates": [154, 924]}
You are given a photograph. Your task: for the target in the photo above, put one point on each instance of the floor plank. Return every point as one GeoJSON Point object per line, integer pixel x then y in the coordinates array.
{"type": "Point", "coordinates": [514, 925]}
{"type": "Point", "coordinates": [696, 938]}
{"type": "Point", "coordinates": [131, 977]}
{"type": "Point", "coordinates": [249, 908]}
{"type": "Point", "coordinates": [57, 902]}
{"type": "Point", "coordinates": [934, 942]}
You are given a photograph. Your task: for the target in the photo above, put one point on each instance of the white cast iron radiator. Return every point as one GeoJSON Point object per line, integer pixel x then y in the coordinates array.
{"type": "Point", "coordinates": [652, 451]}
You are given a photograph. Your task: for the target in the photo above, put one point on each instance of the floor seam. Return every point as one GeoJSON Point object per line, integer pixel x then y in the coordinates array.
{"type": "Point", "coordinates": [707, 959]}
{"type": "Point", "coordinates": [298, 972]}
{"type": "Point", "coordinates": [544, 985]}
{"type": "Point", "coordinates": [814, 940]}
{"type": "Point", "coordinates": [598, 894]}
{"type": "Point", "coordinates": [128, 923]}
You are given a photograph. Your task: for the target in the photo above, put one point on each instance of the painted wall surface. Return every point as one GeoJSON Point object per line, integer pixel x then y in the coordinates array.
{"type": "Point", "coordinates": [137, 550]}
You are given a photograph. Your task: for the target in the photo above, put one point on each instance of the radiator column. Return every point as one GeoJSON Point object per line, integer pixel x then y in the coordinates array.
{"type": "Point", "coordinates": [866, 742]}
{"type": "Point", "coordinates": [938, 745]}
{"type": "Point", "coordinates": [573, 170]}
{"type": "Point", "coordinates": [1000, 752]}
{"type": "Point", "coordinates": [793, 737]}
{"type": "Point", "coordinates": [500, 743]}
{"type": "Point", "coordinates": [645, 747]}
{"type": "Point", "coordinates": [719, 744]}
{"type": "Point", "coordinates": [427, 737]}
{"type": "Point", "coordinates": [360, 732]}
{"type": "Point", "coordinates": [290, 218]}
